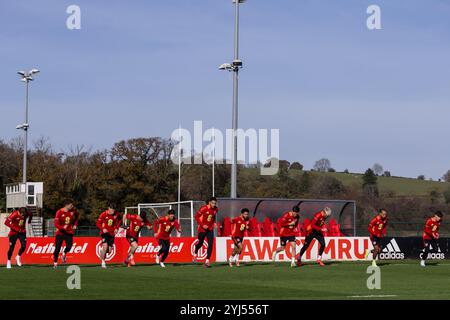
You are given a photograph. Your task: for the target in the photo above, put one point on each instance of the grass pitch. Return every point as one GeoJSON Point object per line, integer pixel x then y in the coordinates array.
{"type": "Point", "coordinates": [399, 280]}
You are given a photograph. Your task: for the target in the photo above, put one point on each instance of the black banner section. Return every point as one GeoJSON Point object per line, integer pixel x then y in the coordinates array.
{"type": "Point", "coordinates": [410, 248]}
{"type": "Point", "coordinates": [216, 309]}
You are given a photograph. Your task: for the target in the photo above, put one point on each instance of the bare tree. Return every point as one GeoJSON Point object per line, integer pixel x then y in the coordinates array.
{"type": "Point", "coordinates": [378, 169]}
{"type": "Point", "coordinates": [322, 165]}
{"type": "Point", "coordinates": [446, 176]}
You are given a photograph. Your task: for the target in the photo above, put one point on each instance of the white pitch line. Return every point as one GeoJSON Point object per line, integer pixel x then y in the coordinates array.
{"type": "Point", "coordinates": [374, 296]}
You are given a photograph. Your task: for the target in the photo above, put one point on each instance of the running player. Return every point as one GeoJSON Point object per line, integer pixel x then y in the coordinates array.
{"type": "Point", "coordinates": [16, 222]}
{"type": "Point", "coordinates": [430, 236]}
{"type": "Point", "coordinates": [134, 224]}
{"type": "Point", "coordinates": [288, 231]}
{"type": "Point", "coordinates": [66, 222]}
{"type": "Point", "coordinates": [377, 228]}
{"type": "Point", "coordinates": [165, 226]}
{"type": "Point", "coordinates": [108, 222]}
{"type": "Point", "coordinates": [315, 231]}
{"type": "Point", "coordinates": [206, 219]}
{"type": "Point", "coordinates": [240, 225]}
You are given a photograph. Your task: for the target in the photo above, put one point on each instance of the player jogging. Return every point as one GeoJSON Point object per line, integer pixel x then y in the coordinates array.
{"type": "Point", "coordinates": [16, 222]}
{"type": "Point", "coordinates": [377, 228]}
{"type": "Point", "coordinates": [134, 224]}
{"type": "Point", "coordinates": [288, 231]}
{"type": "Point", "coordinates": [206, 219]}
{"type": "Point", "coordinates": [108, 222]}
{"type": "Point", "coordinates": [430, 236]}
{"type": "Point", "coordinates": [165, 226]}
{"type": "Point", "coordinates": [315, 231]}
{"type": "Point", "coordinates": [239, 226]}
{"type": "Point", "coordinates": [66, 221]}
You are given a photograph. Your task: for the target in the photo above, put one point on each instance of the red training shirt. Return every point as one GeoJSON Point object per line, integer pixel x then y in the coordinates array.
{"type": "Point", "coordinates": [65, 221]}
{"type": "Point", "coordinates": [206, 216]}
{"type": "Point", "coordinates": [286, 230]}
{"type": "Point", "coordinates": [239, 227]}
{"type": "Point", "coordinates": [377, 226]}
{"type": "Point", "coordinates": [110, 222]}
{"type": "Point", "coordinates": [165, 227]}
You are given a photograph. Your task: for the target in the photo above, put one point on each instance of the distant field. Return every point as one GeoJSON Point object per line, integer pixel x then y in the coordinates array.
{"type": "Point", "coordinates": [399, 280]}
{"type": "Point", "coordinates": [401, 186]}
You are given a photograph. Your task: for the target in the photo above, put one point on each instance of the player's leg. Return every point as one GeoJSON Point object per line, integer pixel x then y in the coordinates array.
{"type": "Point", "coordinates": [237, 249]}
{"type": "Point", "coordinates": [23, 246]}
{"type": "Point", "coordinates": [104, 249]}
{"type": "Point", "coordinates": [321, 239]}
{"type": "Point", "coordinates": [305, 247]}
{"type": "Point", "coordinates": [282, 247]}
{"type": "Point", "coordinates": [131, 251]}
{"type": "Point", "coordinates": [425, 252]}
{"type": "Point", "coordinates": [58, 244]}
{"type": "Point", "coordinates": [68, 239]}
{"type": "Point", "coordinates": [201, 238]}
{"type": "Point", "coordinates": [164, 251]}
{"type": "Point", "coordinates": [293, 245]}
{"type": "Point", "coordinates": [210, 241]}
{"type": "Point", "coordinates": [12, 245]}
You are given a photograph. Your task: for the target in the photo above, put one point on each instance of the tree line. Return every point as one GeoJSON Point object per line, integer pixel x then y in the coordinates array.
{"type": "Point", "coordinates": [141, 171]}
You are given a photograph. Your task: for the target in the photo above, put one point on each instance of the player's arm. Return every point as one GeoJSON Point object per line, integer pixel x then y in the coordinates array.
{"type": "Point", "coordinates": [147, 223]}
{"type": "Point", "coordinates": [428, 230]}
{"type": "Point", "coordinates": [58, 226]}
{"type": "Point", "coordinates": [76, 214]}
{"type": "Point", "coordinates": [9, 221]}
{"type": "Point", "coordinates": [198, 215]}
{"type": "Point", "coordinates": [100, 223]}
{"type": "Point", "coordinates": [29, 216]}
{"type": "Point", "coordinates": [284, 222]}
{"type": "Point", "coordinates": [314, 224]}
{"type": "Point", "coordinates": [178, 228]}
{"type": "Point", "coordinates": [125, 219]}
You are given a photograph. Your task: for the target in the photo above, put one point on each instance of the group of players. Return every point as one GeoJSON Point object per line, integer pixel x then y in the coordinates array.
{"type": "Point", "coordinates": [110, 221]}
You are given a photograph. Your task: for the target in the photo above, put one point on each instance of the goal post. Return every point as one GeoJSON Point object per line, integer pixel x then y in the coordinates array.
{"type": "Point", "coordinates": [185, 211]}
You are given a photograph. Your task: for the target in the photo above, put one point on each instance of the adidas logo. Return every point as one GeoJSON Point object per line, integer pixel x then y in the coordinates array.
{"type": "Point", "coordinates": [435, 254]}
{"type": "Point", "coordinates": [391, 251]}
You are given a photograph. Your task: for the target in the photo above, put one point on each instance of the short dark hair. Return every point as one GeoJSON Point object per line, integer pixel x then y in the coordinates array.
{"type": "Point", "coordinates": [23, 210]}
{"type": "Point", "coordinates": [171, 211]}
{"type": "Point", "coordinates": [111, 205]}
{"type": "Point", "coordinates": [296, 209]}
{"type": "Point", "coordinates": [245, 210]}
{"type": "Point", "coordinates": [67, 202]}
{"type": "Point", "coordinates": [439, 214]}
{"type": "Point", "coordinates": [381, 210]}
{"type": "Point", "coordinates": [212, 199]}
{"type": "Point", "coordinates": [143, 215]}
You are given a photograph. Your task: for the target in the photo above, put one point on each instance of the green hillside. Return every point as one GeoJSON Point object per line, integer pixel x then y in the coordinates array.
{"type": "Point", "coordinates": [400, 186]}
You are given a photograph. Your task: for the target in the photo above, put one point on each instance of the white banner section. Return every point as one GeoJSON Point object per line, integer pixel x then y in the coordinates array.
{"type": "Point", "coordinates": [261, 248]}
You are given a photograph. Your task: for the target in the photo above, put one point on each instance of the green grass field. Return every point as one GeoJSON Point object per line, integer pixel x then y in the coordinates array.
{"type": "Point", "coordinates": [399, 280]}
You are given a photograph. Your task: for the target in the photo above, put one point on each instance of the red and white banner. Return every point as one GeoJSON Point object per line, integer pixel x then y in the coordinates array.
{"type": "Point", "coordinates": [260, 249]}
{"type": "Point", "coordinates": [87, 249]}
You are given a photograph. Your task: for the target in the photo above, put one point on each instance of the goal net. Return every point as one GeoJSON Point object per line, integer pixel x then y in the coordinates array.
{"type": "Point", "coordinates": [184, 211]}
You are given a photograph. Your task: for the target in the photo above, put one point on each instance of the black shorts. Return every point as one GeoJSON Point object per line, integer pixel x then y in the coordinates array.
{"type": "Point", "coordinates": [376, 241]}
{"type": "Point", "coordinates": [132, 239]}
{"type": "Point", "coordinates": [22, 237]}
{"type": "Point", "coordinates": [237, 240]}
{"type": "Point", "coordinates": [108, 239]}
{"type": "Point", "coordinates": [163, 243]}
{"type": "Point", "coordinates": [284, 240]}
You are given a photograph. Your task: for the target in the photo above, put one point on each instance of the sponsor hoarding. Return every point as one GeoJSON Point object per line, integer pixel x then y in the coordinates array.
{"type": "Point", "coordinates": [85, 250]}
{"type": "Point", "coordinates": [261, 248]}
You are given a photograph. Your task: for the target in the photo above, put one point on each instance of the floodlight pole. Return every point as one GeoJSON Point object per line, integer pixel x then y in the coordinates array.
{"type": "Point", "coordinates": [26, 77]}
{"type": "Point", "coordinates": [25, 143]}
{"type": "Point", "coordinates": [235, 102]}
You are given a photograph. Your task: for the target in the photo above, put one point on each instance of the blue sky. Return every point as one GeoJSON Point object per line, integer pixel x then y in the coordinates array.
{"type": "Point", "coordinates": [312, 69]}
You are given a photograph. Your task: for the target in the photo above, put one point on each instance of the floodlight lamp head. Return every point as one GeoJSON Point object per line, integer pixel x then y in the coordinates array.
{"type": "Point", "coordinates": [34, 71]}
{"type": "Point", "coordinates": [225, 66]}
